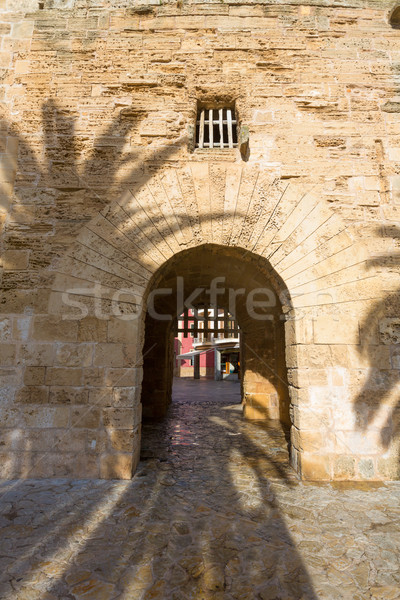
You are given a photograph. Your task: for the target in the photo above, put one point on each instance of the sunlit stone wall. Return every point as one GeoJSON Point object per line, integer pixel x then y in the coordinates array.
{"type": "Point", "coordinates": [100, 186]}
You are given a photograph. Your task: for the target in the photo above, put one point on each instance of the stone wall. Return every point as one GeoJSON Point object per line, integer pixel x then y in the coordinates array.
{"type": "Point", "coordinates": [100, 187]}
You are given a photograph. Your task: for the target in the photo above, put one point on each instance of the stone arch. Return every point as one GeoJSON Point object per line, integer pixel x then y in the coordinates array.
{"type": "Point", "coordinates": [89, 338]}
{"type": "Point", "coordinates": [240, 277]}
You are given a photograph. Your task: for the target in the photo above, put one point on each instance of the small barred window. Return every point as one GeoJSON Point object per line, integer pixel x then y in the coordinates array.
{"type": "Point", "coordinates": [216, 128]}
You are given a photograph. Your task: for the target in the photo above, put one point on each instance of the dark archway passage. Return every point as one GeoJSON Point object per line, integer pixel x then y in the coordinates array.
{"type": "Point", "coordinates": [246, 286]}
{"type": "Point", "coordinates": [231, 535]}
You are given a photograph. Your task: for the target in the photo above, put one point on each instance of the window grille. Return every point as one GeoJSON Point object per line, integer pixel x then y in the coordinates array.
{"type": "Point", "coordinates": [201, 325]}
{"type": "Point", "coordinates": [216, 128]}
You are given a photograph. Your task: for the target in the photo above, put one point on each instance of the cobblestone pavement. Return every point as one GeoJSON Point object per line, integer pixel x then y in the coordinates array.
{"type": "Point", "coordinates": [214, 512]}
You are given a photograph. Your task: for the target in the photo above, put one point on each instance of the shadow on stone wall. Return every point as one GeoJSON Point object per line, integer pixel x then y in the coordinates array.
{"type": "Point", "coordinates": [157, 533]}
{"type": "Point", "coordinates": [66, 179]}
{"type": "Point", "coordinates": [55, 197]}
{"type": "Point", "coordinates": [59, 188]}
{"type": "Point", "coordinates": [380, 348]}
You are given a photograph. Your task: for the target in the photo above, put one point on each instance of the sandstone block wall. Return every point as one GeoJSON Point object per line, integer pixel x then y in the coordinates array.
{"type": "Point", "coordinates": [100, 186]}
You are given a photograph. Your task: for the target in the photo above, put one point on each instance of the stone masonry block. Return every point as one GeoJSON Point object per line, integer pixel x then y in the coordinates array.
{"type": "Point", "coordinates": [15, 259]}
{"type": "Point", "coordinates": [63, 376]}
{"type": "Point", "coordinates": [329, 330]}
{"type": "Point", "coordinates": [65, 464]}
{"type": "Point", "coordinates": [125, 396]}
{"type": "Point", "coordinates": [123, 331]}
{"type": "Point", "coordinates": [315, 467]}
{"type": "Point", "coordinates": [34, 354]}
{"type": "Point", "coordinates": [344, 467]}
{"type": "Point", "coordinates": [5, 59]}
{"type": "Point", "coordinates": [53, 328]}
{"type": "Point", "coordinates": [68, 395]}
{"type": "Point", "coordinates": [118, 418]}
{"type": "Point", "coordinates": [299, 331]}
{"type": "Point", "coordinates": [85, 416]}
{"type": "Point", "coordinates": [22, 67]}
{"type": "Point", "coordinates": [5, 329]}
{"type": "Point", "coordinates": [45, 416]}
{"type": "Point", "coordinates": [109, 355]}
{"type": "Point", "coordinates": [91, 329]}
{"type": "Point", "coordinates": [101, 396]}
{"type": "Point", "coordinates": [94, 377]}
{"type": "Point", "coordinates": [21, 328]}
{"type": "Point", "coordinates": [22, 30]}
{"type": "Point", "coordinates": [116, 466]}
{"type": "Point", "coordinates": [32, 395]}
{"type": "Point", "coordinates": [7, 354]}
{"type": "Point", "coordinates": [121, 440]}
{"type": "Point", "coordinates": [389, 329]}
{"type": "Point", "coordinates": [34, 375]}
{"type": "Point", "coordinates": [74, 355]}
{"type": "Point", "coordinates": [127, 377]}
{"type": "Point", "coordinates": [367, 356]}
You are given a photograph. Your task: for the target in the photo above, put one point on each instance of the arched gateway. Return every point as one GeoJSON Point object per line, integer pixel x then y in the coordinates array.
{"type": "Point", "coordinates": [78, 393]}
{"type": "Point", "coordinates": [244, 285]}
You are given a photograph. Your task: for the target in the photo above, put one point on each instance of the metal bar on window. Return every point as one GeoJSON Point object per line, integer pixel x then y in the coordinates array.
{"type": "Point", "coordinates": [214, 330]}
{"type": "Point", "coordinates": [221, 128]}
{"type": "Point", "coordinates": [235, 328]}
{"type": "Point", "coordinates": [226, 323]}
{"type": "Point", "coordinates": [221, 120]}
{"type": "Point", "coordinates": [210, 127]}
{"type": "Point", "coordinates": [206, 323]}
{"type": "Point", "coordinates": [230, 136]}
{"type": "Point", "coordinates": [201, 129]}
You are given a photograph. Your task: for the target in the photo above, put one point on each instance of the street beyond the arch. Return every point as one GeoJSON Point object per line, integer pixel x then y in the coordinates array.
{"type": "Point", "coordinates": [213, 512]}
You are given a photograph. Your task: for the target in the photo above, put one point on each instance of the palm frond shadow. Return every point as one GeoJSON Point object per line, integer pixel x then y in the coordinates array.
{"type": "Point", "coordinates": [145, 535]}
{"type": "Point", "coordinates": [379, 386]}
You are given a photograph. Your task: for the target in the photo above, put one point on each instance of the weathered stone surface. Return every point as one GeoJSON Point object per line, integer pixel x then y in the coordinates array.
{"type": "Point", "coordinates": [101, 186]}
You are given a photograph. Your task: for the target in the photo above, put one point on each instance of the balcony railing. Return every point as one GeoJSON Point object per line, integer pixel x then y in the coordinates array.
{"type": "Point", "coordinates": [215, 340]}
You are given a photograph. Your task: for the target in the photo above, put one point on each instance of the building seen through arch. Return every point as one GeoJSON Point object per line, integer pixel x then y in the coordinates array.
{"type": "Point", "coordinates": [207, 344]}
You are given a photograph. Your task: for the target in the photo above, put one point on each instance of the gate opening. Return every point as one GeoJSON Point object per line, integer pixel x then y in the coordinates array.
{"type": "Point", "coordinates": [225, 301]}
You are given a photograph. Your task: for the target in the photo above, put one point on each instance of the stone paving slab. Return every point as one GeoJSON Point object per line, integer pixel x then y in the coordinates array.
{"type": "Point", "coordinates": [218, 514]}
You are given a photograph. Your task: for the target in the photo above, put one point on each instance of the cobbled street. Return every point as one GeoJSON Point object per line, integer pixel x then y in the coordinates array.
{"type": "Point", "coordinates": [213, 512]}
